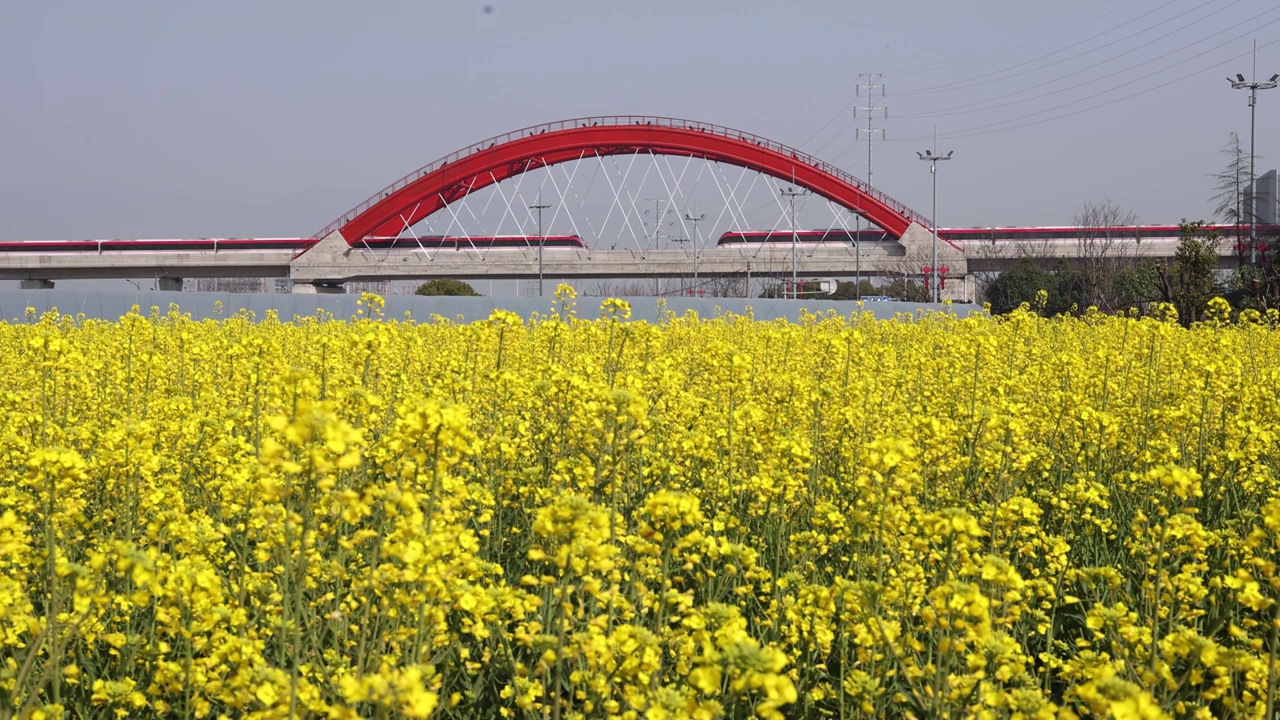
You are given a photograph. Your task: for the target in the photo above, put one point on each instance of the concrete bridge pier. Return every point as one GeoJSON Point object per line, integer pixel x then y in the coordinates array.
{"type": "Point", "coordinates": [918, 245]}
{"type": "Point", "coordinates": [170, 284]}
{"type": "Point", "coordinates": [37, 284]}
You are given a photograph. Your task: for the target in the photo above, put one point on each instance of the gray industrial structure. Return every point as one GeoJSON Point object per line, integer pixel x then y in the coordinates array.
{"type": "Point", "coordinates": [1266, 197]}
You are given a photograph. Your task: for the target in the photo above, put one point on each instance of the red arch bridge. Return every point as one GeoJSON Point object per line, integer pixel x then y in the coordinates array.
{"type": "Point", "coordinates": [632, 161]}
{"type": "Point", "coordinates": [601, 197]}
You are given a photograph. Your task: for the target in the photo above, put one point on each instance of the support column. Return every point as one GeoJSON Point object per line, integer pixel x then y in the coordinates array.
{"type": "Point", "coordinates": [306, 288]}
{"type": "Point", "coordinates": [37, 284]}
{"type": "Point", "coordinates": [169, 284]}
{"type": "Point", "coordinates": [917, 244]}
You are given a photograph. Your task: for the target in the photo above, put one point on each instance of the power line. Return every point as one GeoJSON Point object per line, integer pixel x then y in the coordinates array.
{"type": "Point", "coordinates": [753, 200]}
{"type": "Point", "coordinates": [1031, 35]}
{"type": "Point", "coordinates": [984, 129]}
{"type": "Point", "coordinates": [981, 79]}
{"type": "Point", "coordinates": [959, 109]}
{"type": "Point", "coordinates": [995, 127]}
{"type": "Point", "coordinates": [1005, 72]}
{"type": "Point", "coordinates": [835, 159]}
{"type": "Point", "coordinates": [833, 118]}
{"type": "Point", "coordinates": [968, 132]}
{"type": "Point", "coordinates": [837, 109]}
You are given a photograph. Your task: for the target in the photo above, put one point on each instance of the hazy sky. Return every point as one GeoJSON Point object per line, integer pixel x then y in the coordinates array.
{"type": "Point", "coordinates": [270, 118]}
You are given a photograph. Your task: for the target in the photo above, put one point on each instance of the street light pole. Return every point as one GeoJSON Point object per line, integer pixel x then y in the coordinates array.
{"type": "Point", "coordinates": [790, 194]}
{"type": "Point", "coordinates": [695, 220]}
{"type": "Point", "coordinates": [539, 207]}
{"type": "Point", "coordinates": [1239, 83]}
{"type": "Point", "coordinates": [933, 158]}
{"type": "Point", "coordinates": [857, 263]}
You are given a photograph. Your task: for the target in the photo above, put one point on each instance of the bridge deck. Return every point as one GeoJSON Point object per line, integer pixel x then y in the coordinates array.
{"type": "Point", "coordinates": [76, 266]}
{"type": "Point", "coordinates": [363, 264]}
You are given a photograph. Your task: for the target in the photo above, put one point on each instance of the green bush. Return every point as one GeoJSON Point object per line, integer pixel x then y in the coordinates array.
{"type": "Point", "coordinates": [446, 286]}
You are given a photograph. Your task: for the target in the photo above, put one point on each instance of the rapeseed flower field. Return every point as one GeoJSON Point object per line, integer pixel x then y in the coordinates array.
{"type": "Point", "coordinates": [695, 518]}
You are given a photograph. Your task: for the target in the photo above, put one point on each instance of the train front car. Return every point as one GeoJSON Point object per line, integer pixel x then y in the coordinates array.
{"type": "Point", "coordinates": [474, 242]}
{"type": "Point", "coordinates": [801, 237]}
{"type": "Point", "coordinates": [174, 245]}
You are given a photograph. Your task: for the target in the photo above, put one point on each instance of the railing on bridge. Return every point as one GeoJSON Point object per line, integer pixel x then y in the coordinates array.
{"type": "Point", "coordinates": [622, 120]}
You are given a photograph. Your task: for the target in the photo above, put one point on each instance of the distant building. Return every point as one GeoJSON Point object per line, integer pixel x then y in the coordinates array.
{"type": "Point", "coordinates": [1266, 191]}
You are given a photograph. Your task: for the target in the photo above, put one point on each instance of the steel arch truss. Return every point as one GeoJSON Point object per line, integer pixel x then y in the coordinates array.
{"type": "Point", "coordinates": [433, 187]}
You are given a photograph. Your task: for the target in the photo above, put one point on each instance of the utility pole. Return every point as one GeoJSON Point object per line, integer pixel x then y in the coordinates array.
{"type": "Point", "coordinates": [790, 194]}
{"type": "Point", "coordinates": [869, 86]}
{"type": "Point", "coordinates": [539, 207]}
{"type": "Point", "coordinates": [695, 220]}
{"type": "Point", "coordinates": [933, 158]}
{"type": "Point", "coordinates": [1253, 87]}
{"type": "Point", "coordinates": [683, 240]}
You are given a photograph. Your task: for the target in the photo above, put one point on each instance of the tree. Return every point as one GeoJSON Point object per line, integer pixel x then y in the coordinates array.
{"type": "Point", "coordinates": [1072, 291]}
{"type": "Point", "coordinates": [1066, 289]}
{"type": "Point", "coordinates": [637, 288]}
{"type": "Point", "coordinates": [1258, 286]}
{"type": "Point", "coordinates": [1018, 285]}
{"type": "Point", "coordinates": [1231, 187]}
{"type": "Point", "coordinates": [986, 258]}
{"type": "Point", "coordinates": [1105, 238]}
{"type": "Point", "coordinates": [1190, 283]}
{"type": "Point", "coordinates": [732, 286]}
{"type": "Point", "coordinates": [1136, 286]}
{"type": "Point", "coordinates": [598, 288]}
{"type": "Point", "coordinates": [849, 291]}
{"type": "Point", "coordinates": [445, 286]}
{"type": "Point", "coordinates": [905, 289]}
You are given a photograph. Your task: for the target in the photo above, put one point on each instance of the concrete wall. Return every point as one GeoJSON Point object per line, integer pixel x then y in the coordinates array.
{"type": "Point", "coordinates": [111, 305]}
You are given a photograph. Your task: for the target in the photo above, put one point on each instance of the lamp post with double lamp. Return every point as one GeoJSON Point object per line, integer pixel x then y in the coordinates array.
{"type": "Point", "coordinates": [1239, 83]}
{"type": "Point", "coordinates": [790, 194]}
{"type": "Point", "coordinates": [933, 158]}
